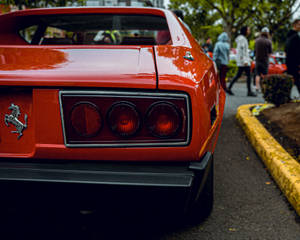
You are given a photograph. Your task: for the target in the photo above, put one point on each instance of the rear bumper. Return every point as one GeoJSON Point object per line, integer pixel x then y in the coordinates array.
{"type": "Point", "coordinates": [91, 184]}
{"type": "Point", "coordinates": [120, 174]}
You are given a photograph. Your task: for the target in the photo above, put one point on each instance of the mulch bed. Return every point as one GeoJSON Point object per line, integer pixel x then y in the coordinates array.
{"type": "Point", "coordinates": [283, 123]}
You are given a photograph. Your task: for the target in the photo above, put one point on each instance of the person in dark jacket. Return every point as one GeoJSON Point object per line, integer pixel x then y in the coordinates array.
{"type": "Point", "coordinates": [221, 56]}
{"type": "Point", "coordinates": [262, 49]}
{"type": "Point", "coordinates": [292, 31]}
{"type": "Point", "coordinates": [293, 54]}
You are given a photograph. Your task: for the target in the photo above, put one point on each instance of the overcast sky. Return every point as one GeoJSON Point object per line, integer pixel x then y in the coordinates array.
{"type": "Point", "coordinates": [166, 3]}
{"type": "Point", "coordinates": [297, 14]}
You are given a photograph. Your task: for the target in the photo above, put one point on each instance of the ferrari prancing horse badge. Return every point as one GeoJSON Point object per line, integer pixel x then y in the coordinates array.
{"type": "Point", "coordinates": [13, 119]}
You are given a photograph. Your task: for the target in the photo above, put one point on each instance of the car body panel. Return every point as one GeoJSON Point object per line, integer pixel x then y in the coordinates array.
{"type": "Point", "coordinates": [199, 79]}
{"type": "Point", "coordinates": [67, 66]}
{"type": "Point", "coordinates": [35, 77]}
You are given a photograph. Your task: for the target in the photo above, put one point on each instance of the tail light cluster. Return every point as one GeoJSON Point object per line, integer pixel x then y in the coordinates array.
{"type": "Point", "coordinates": [124, 119]}
{"type": "Point", "coordinates": [163, 119]}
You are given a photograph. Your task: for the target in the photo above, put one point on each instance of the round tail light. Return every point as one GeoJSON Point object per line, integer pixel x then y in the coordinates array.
{"type": "Point", "coordinates": [163, 120]}
{"type": "Point", "coordinates": [86, 119]}
{"type": "Point", "coordinates": [123, 119]}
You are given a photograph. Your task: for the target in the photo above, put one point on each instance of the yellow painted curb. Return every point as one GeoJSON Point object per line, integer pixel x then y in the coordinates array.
{"type": "Point", "coordinates": [282, 166]}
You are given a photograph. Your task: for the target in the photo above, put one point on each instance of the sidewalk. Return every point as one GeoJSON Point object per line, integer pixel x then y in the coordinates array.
{"type": "Point", "coordinates": [284, 169]}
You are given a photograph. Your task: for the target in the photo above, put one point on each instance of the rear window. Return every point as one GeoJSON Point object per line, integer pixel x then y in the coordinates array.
{"type": "Point", "coordinates": [94, 29]}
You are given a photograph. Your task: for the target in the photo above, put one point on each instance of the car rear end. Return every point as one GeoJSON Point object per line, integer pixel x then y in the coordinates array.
{"type": "Point", "coordinates": [93, 122]}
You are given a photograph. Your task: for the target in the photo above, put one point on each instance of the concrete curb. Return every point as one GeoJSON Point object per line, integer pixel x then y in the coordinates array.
{"type": "Point", "coordinates": [282, 166]}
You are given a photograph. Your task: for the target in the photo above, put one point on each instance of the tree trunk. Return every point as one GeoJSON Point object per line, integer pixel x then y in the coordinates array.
{"type": "Point", "coordinates": [229, 30]}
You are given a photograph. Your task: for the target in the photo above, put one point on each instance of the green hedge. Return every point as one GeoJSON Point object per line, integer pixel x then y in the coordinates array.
{"type": "Point", "coordinates": [276, 88]}
{"type": "Point", "coordinates": [232, 69]}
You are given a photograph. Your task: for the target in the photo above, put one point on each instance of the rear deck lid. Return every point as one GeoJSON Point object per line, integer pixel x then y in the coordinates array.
{"type": "Point", "coordinates": [118, 66]}
{"type": "Point", "coordinates": [27, 73]}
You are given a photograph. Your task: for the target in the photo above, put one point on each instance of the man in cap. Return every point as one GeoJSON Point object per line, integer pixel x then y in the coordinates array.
{"type": "Point", "coordinates": [262, 49]}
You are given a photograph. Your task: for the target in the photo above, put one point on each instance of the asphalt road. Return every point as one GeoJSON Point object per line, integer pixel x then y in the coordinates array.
{"type": "Point", "coordinates": [248, 204]}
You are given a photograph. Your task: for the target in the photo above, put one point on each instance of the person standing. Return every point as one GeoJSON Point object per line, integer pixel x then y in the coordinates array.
{"type": "Point", "coordinates": [243, 60]}
{"type": "Point", "coordinates": [221, 56]}
{"type": "Point", "coordinates": [293, 31]}
{"type": "Point", "coordinates": [208, 47]}
{"type": "Point", "coordinates": [293, 54]}
{"type": "Point", "coordinates": [262, 50]}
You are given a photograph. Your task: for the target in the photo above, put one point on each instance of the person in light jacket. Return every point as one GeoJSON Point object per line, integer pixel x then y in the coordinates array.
{"type": "Point", "coordinates": [221, 56]}
{"type": "Point", "coordinates": [243, 60]}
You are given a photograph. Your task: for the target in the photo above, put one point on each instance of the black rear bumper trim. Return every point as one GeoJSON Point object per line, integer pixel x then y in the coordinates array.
{"type": "Point", "coordinates": [102, 174]}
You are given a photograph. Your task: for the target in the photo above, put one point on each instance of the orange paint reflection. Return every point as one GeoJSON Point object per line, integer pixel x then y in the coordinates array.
{"type": "Point", "coordinates": [174, 58]}
{"type": "Point", "coordinates": [30, 58]}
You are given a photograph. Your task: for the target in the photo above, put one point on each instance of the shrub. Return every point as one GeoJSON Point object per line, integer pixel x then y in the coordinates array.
{"type": "Point", "coordinates": [232, 69]}
{"type": "Point", "coordinates": [276, 88]}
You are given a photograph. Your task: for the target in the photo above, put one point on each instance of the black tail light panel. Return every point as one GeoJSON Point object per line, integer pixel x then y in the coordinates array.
{"type": "Point", "coordinates": [87, 119]}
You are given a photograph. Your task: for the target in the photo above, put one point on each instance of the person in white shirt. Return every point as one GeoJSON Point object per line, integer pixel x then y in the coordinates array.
{"type": "Point", "coordinates": [243, 61]}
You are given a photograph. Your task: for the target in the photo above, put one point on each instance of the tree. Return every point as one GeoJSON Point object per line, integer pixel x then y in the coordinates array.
{"type": "Point", "coordinates": [198, 18]}
{"type": "Point", "coordinates": [276, 15]}
{"type": "Point", "coordinates": [233, 14]}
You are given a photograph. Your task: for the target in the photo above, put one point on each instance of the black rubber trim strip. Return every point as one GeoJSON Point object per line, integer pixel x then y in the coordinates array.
{"type": "Point", "coordinates": [162, 176]}
{"type": "Point", "coordinates": [155, 66]}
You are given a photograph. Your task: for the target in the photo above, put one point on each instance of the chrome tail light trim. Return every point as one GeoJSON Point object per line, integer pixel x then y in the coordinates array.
{"type": "Point", "coordinates": [157, 95]}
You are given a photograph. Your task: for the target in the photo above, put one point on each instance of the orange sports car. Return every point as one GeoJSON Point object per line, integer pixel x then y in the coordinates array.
{"type": "Point", "coordinates": [94, 98]}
